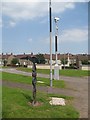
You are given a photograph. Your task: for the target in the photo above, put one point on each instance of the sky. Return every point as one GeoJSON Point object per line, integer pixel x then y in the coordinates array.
{"type": "Point", "coordinates": [24, 26]}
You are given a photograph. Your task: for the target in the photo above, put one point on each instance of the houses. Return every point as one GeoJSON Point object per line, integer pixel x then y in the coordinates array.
{"type": "Point", "coordinates": [24, 59]}
{"type": "Point", "coordinates": [71, 59]}
{"type": "Point", "coordinates": [5, 59]}
{"type": "Point", "coordinates": [47, 58]}
{"type": "Point", "coordinates": [65, 60]}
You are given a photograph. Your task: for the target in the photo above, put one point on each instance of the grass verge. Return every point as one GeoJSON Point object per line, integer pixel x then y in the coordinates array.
{"type": "Point", "coordinates": [71, 73]}
{"type": "Point", "coordinates": [15, 105]}
{"type": "Point", "coordinates": [28, 80]}
{"type": "Point", "coordinates": [0, 101]}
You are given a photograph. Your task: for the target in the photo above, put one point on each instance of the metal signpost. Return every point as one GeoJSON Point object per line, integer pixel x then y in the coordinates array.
{"type": "Point", "coordinates": [34, 80]}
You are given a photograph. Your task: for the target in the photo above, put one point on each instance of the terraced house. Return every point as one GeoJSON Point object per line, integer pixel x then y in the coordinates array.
{"type": "Point", "coordinates": [80, 60]}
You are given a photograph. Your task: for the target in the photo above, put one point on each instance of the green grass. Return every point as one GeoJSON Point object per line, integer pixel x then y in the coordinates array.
{"type": "Point", "coordinates": [28, 80]}
{"type": "Point", "coordinates": [71, 73]}
{"type": "Point", "coordinates": [0, 101]}
{"type": "Point", "coordinates": [15, 105]}
{"type": "Point", "coordinates": [0, 76]}
{"type": "Point", "coordinates": [75, 73]}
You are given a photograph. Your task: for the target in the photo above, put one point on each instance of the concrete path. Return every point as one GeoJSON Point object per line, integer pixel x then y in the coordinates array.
{"type": "Point", "coordinates": [76, 87]}
{"type": "Point", "coordinates": [13, 70]}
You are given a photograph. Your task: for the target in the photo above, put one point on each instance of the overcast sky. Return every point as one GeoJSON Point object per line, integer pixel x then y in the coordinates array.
{"type": "Point", "coordinates": [25, 26]}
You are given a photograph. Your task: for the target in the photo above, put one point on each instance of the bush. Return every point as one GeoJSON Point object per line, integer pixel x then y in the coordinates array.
{"type": "Point", "coordinates": [85, 62]}
{"type": "Point", "coordinates": [14, 61]}
{"type": "Point", "coordinates": [40, 59]}
{"type": "Point", "coordinates": [71, 67]}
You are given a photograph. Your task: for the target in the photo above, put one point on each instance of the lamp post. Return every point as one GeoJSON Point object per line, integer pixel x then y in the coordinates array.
{"type": "Point", "coordinates": [56, 19]}
{"type": "Point", "coordinates": [50, 17]}
{"type": "Point", "coordinates": [64, 60]}
{"type": "Point", "coordinates": [56, 68]}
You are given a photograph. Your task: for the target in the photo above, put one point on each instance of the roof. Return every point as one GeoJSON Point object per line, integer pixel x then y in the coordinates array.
{"type": "Point", "coordinates": [47, 56]}
{"type": "Point", "coordinates": [6, 56]}
{"type": "Point", "coordinates": [59, 56]}
{"type": "Point", "coordinates": [22, 56]}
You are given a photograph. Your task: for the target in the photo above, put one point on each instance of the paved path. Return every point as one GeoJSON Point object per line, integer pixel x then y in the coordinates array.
{"type": "Point", "coordinates": [77, 87]}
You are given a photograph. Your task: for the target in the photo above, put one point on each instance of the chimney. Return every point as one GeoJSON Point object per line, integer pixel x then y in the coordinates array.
{"type": "Point", "coordinates": [31, 53]}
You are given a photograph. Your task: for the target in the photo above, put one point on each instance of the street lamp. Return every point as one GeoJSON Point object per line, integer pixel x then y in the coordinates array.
{"type": "Point", "coordinates": [64, 60]}
{"type": "Point", "coordinates": [56, 67]}
{"type": "Point", "coordinates": [56, 19]}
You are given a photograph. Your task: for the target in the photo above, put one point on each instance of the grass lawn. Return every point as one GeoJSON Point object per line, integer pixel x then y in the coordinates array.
{"type": "Point", "coordinates": [15, 105]}
{"type": "Point", "coordinates": [72, 73]}
{"type": "Point", "coordinates": [0, 101]}
{"type": "Point", "coordinates": [28, 80]}
{"type": "Point", "coordinates": [75, 73]}
{"type": "Point", "coordinates": [0, 75]}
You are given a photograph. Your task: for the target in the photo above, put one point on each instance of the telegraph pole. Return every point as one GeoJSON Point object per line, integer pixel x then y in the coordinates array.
{"type": "Point", "coordinates": [50, 17]}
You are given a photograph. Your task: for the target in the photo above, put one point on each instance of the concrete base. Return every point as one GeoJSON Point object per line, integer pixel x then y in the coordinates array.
{"type": "Point", "coordinates": [57, 101]}
{"type": "Point", "coordinates": [56, 72]}
{"type": "Point", "coordinates": [34, 104]}
{"type": "Point", "coordinates": [60, 67]}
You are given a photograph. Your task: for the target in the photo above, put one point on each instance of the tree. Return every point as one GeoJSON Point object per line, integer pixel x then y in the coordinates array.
{"type": "Point", "coordinates": [40, 59]}
{"type": "Point", "coordinates": [64, 61]}
{"type": "Point", "coordinates": [14, 61]}
{"type": "Point", "coordinates": [5, 62]}
{"type": "Point", "coordinates": [85, 62]}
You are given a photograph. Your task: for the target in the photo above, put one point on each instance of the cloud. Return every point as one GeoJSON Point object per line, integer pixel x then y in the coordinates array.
{"type": "Point", "coordinates": [74, 35]}
{"type": "Point", "coordinates": [12, 23]}
{"type": "Point", "coordinates": [23, 11]}
{"type": "Point", "coordinates": [18, 11]}
{"type": "Point", "coordinates": [30, 40]}
{"type": "Point", "coordinates": [46, 1]}
{"type": "Point", "coordinates": [58, 7]}
{"type": "Point", "coordinates": [1, 24]}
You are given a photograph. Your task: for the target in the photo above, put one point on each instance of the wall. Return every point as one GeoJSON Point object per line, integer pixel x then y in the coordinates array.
{"type": "Point", "coordinates": [10, 59]}
{"type": "Point", "coordinates": [41, 66]}
{"type": "Point", "coordinates": [85, 67]}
